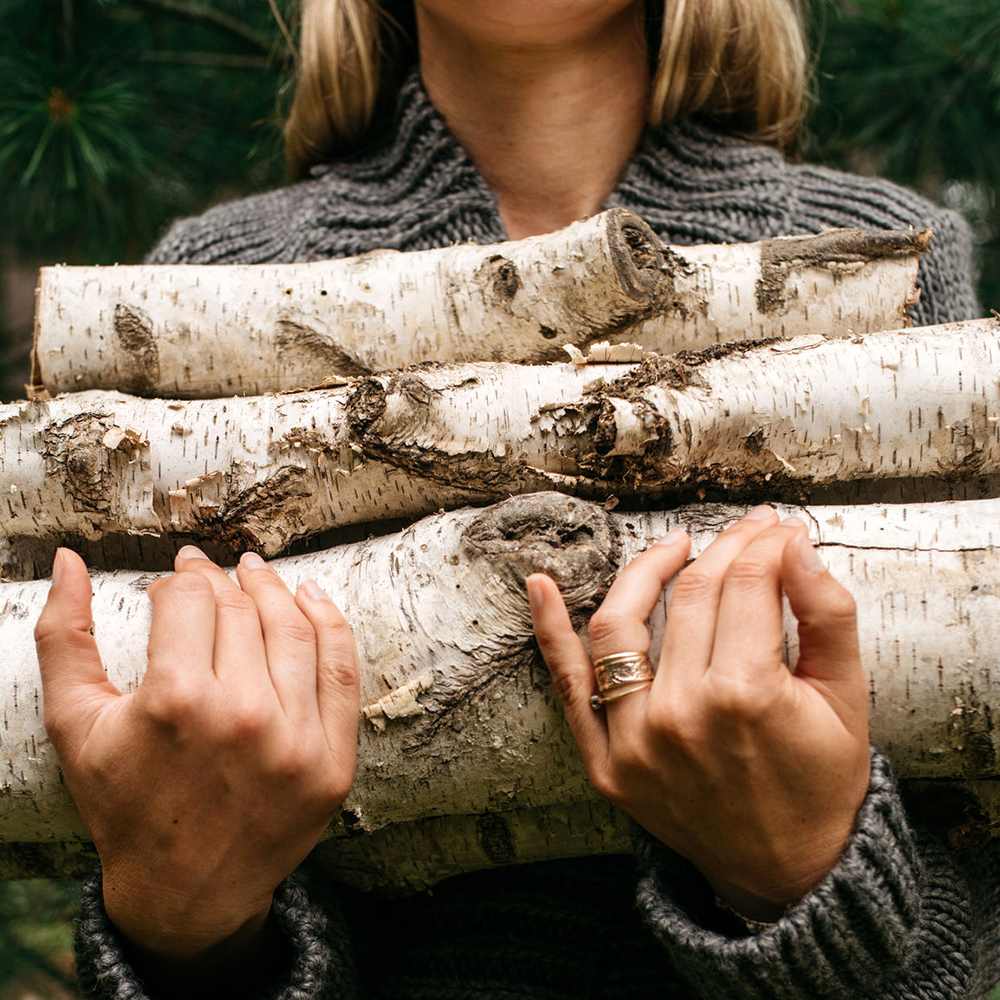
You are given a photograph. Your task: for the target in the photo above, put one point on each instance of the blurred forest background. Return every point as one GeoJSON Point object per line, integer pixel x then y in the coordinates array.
{"type": "Point", "coordinates": [118, 115]}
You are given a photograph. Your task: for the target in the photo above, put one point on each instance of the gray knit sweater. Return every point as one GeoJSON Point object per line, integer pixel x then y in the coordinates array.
{"type": "Point", "coordinates": [898, 917]}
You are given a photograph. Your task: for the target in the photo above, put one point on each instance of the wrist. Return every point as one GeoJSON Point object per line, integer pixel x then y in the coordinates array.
{"type": "Point", "coordinates": [169, 925]}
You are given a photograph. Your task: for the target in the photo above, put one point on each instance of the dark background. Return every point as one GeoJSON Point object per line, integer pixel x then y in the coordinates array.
{"type": "Point", "coordinates": [118, 115]}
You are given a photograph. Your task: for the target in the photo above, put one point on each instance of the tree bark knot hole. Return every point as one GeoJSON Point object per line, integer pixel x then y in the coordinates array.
{"type": "Point", "coordinates": [574, 542]}
{"type": "Point", "coordinates": [639, 257]}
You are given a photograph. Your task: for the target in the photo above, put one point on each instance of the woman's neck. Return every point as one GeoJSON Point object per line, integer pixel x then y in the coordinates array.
{"type": "Point", "coordinates": [549, 126]}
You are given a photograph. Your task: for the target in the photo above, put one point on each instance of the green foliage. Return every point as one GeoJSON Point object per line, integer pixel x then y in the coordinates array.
{"type": "Point", "coordinates": [910, 89]}
{"type": "Point", "coordinates": [116, 115]}
{"type": "Point", "coordinates": [36, 937]}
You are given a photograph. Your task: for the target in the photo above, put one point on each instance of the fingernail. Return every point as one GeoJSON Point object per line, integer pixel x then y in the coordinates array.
{"type": "Point", "coordinates": [672, 537]}
{"type": "Point", "coordinates": [252, 561]}
{"type": "Point", "coordinates": [191, 552]}
{"type": "Point", "coordinates": [57, 568]}
{"type": "Point", "coordinates": [793, 522]}
{"type": "Point", "coordinates": [809, 557]}
{"type": "Point", "coordinates": [760, 513]}
{"type": "Point", "coordinates": [313, 590]}
{"type": "Point", "coordinates": [535, 596]}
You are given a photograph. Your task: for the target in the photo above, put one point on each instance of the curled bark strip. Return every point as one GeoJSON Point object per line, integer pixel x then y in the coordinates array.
{"type": "Point", "coordinates": [199, 331]}
{"type": "Point", "coordinates": [738, 419]}
{"type": "Point", "coordinates": [462, 713]}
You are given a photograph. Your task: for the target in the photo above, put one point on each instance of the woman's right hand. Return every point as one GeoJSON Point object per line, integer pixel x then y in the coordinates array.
{"type": "Point", "coordinates": [213, 780]}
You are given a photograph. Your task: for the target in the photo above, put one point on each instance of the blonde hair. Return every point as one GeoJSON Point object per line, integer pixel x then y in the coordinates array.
{"type": "Point", "coordinates": [741, 63]}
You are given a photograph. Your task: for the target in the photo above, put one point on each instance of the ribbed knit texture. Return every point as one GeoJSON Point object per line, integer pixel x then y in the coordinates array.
{"type": "Point", "coordinates": [320, 965]}
{"type": "Point", "coordinates": [419, 189]}
{"type": "Point", "coordinates": [898, 917]}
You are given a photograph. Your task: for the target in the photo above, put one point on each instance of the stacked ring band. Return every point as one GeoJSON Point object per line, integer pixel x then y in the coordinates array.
{"type": "Point", "coordinates": [631, 671]}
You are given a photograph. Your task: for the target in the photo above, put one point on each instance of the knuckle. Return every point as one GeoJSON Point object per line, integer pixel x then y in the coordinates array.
{"type": "Point", "coordinates": [295, 631]}
{"type": "Point", "coordinates": [568, 691]}
{"type": "Point", "coordinates": [55, 640]}
{"type": "Point", "coordinates": [244, 724]}
{"type": "Point", "coordinates": [841, 606]}
{"type": "Point", "coordinates": [739, 698]}
{"type": "Point", "coordinates": [190, 585]}
{"type": "Point", "coordinates": [234, 602]}
{"type": "Point", "coordinates": [695, 587]}
{"type": "Point", "coordinates": [176, 704]}
{"type": "Point", "coordinates": [749, 571]}
{"type": "Point", "coordinates": [607, 624]}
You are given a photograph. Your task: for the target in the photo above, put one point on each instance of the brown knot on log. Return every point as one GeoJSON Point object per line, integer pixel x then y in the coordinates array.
{"type": "Point", "coordinates": [576, 543]}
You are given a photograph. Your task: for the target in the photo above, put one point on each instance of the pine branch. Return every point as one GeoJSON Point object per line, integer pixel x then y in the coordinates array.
{"type": "Point", "coordinates": [223, 60]}
{"type": "Point", "coordinates": [207, 14]}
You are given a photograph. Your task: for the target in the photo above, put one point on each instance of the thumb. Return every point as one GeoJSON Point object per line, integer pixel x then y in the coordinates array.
{"type": "Point", "coordinates": [74, 684]}
{"type": "Point", "coordinates": [827, 617]}
{"type": "Point", "coordinates": [571, 670]}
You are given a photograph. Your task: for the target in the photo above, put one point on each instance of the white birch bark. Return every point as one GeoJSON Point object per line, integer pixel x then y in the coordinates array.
{"type": "Point", "coordinates": [459, 712]}
{"type": "Point", "coordinates": [196, 331]}
{"type": "Point", "coordinates": [260, 472]}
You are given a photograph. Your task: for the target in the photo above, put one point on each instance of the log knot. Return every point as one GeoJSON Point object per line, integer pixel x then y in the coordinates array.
{"type": "Point", "coordinates": [574, 542]}
{"type": "Point", "coordinates": [139, 361]}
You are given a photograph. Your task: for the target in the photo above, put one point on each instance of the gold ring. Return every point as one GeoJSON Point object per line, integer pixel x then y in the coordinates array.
{"type": "Point", "coordinates": [599, 700]}
{"type": "Point", "coordinates": [621, 668]}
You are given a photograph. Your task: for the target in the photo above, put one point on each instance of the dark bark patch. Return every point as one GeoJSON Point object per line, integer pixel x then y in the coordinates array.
{"type": "Point", "coordinates": [493, 834]}
{"type": "Point", "coordinates": [312, 355]}
{"type": "Point", "coordinates": [639, 258]}
{"type": "Point", "coordinates": [75, 452]}
{"type": "Point", "coordinates": [502, 278]}
{"type": "Point", "coordinates": [139, 362]}
{"type": "Point", "coordinates": [576, 543]}
{"type": "Point", "coordinates": [780, 257]}
{"type": "Point", "coordinates": [253, 517]}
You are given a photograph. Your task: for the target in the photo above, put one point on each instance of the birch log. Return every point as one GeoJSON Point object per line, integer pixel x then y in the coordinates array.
{"type": "Point", "coordinates": [198, 331]}
{"type": "Point", "coordinates": [260, 472]}
{"type": "Point", "coordinates": [464, 758]}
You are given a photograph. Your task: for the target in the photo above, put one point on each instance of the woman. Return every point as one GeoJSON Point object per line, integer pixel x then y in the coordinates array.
{"type": "Point", "coordinates": [775, 859]}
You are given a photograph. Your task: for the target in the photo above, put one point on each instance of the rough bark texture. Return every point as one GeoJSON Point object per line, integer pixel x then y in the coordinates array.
{"type": "Point", "coordinates": [737, 419]}
{"type": "Point", "coordinates": [459, 711]}
{"type": "Point", "coordinates": [197, 331]}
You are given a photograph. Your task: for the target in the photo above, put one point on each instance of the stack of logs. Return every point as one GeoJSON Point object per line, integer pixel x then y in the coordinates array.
{"type": "Point", "coordinates": [589, 376]}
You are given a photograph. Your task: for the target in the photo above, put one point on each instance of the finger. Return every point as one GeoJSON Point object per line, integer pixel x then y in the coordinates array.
{"type": "Point", "coordinates": [289, 638]}
{"type": "Point", "coordinates": [689, 634]}
{"type": "Point", "coordinates": [182, 639]}
{"type": "Point", "coordinates": [619, 624]}
{"type": "Point", "coordinates": [73, 680]}
{"type": "Point", "coordinates": [240, 660]}
{"type": "Point", "coordinates": [749, 630]}
{"type": "Point", "coordinates": [827, 616]}
{"type": "Point", "coordinates": [571, 670]}
{"type": "Point", "coordinates": [337, 679]}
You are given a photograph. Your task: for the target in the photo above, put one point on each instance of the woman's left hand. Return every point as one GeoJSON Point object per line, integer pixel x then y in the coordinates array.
{"type": "Point", "coordinates": [751, 771]}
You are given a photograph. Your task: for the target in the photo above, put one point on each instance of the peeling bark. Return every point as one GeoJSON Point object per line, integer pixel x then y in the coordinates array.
{"type": "Point", "coordinates": [197, 331]}
{"type": "Point", "coordinates": [735, 419]}
{"type": "Point", "coordinates": [444, 636]}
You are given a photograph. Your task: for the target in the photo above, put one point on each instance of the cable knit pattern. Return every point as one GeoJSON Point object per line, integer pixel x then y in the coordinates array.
{"type": "Point", "coordinates": [418, 189]}
{"type": "Point", "coordinates": [312, 935]}
{"type": "Point", "coordinates": [898, 917]}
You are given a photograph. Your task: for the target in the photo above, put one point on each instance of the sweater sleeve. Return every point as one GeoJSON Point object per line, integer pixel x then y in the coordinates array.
{"type": "Point", "coordinates": [317, 960]}
{"type": "Point", "coordinates": [897, 917]}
